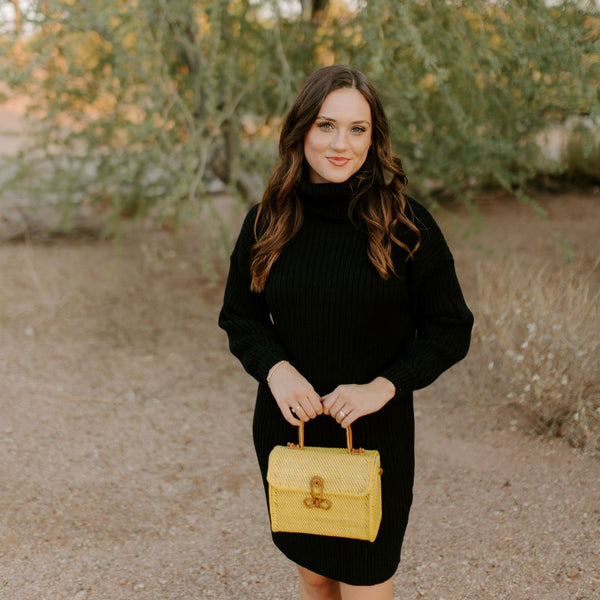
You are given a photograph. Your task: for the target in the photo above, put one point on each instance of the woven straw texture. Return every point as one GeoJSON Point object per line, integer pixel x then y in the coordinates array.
{"type": "Point", "coordinates": [351, 485]}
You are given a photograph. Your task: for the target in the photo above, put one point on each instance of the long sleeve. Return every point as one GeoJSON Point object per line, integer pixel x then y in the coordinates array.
{"type": "Point", "coordinates": [442, 319]}
{"type": "Point", "coordinates": [245, 316]}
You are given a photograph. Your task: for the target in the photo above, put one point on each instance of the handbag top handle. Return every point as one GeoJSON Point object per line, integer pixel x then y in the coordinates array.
{"type": "Point", "coordinates": [351, 450]}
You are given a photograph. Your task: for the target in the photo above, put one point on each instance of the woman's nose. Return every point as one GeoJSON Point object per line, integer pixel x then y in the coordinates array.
{"type": "Point", "coordinates": [339, 141]}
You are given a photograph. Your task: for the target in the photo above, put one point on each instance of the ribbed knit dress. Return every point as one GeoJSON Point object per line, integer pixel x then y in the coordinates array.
{"type": "Point", "coordinates": [327, 311]}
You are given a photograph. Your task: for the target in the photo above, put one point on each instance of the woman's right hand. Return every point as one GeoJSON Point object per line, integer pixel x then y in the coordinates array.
{"type": "Point", "coordinates": [295, 396]}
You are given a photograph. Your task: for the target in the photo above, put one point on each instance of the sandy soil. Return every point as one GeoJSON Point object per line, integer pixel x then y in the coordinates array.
{"type": "Point", "coordinates": [126, 463]}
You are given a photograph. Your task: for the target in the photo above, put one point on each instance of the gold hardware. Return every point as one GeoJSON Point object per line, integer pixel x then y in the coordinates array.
{"type": "Point", "coordinates": [316, 499]}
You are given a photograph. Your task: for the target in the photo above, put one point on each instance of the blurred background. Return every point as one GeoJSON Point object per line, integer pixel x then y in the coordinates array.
{"type": "Point", "coordinates": [134, 135]}
{"type": "Point", "coordinates": [141, 108]}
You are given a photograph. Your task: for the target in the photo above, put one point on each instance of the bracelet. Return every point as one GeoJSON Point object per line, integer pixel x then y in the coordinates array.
{"type": "Point", "coordinates": [273, 369]}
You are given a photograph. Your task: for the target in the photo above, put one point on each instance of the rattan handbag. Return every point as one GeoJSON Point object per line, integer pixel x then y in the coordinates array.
{"type": "Point", "coordinates": [325, 491]}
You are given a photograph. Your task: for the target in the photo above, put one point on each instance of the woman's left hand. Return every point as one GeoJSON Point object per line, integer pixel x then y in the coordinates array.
{"type": "Point", "coordinates": [349, 402]}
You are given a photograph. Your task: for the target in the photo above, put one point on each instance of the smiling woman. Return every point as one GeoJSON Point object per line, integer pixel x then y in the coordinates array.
{"type": "Point", "coordinates": [342, 300]}
{"type": "Point", "coordinates": [336, 146]}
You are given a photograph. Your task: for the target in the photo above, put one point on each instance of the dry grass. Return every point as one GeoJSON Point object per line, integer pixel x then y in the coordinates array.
{"type": "Point", "coordinates": [538, 327]}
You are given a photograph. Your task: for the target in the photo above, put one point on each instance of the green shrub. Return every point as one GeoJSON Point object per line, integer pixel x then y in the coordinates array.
{"type": "Point", "coordinates": [583, 151]}
{"type": "Point", "coordinates": [140, 106]}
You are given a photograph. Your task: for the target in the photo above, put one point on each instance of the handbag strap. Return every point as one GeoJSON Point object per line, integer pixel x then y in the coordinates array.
{"type": "Point", "coordinates": [351, 450]}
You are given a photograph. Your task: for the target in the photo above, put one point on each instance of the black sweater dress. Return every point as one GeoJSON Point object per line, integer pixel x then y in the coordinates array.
{"type": "Point", "coordinates": [327, 311]}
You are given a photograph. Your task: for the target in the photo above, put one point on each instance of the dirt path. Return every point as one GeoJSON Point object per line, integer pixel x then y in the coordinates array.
{"type": "Point", "coordinates": [126, 463]}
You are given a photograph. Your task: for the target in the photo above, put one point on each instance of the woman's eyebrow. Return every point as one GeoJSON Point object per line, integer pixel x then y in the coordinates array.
{"type": "Point", "coordinates": [335, 121]}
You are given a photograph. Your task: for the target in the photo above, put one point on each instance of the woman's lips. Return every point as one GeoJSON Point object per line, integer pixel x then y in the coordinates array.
{"type": "Point", "coordinates": [338, 161]}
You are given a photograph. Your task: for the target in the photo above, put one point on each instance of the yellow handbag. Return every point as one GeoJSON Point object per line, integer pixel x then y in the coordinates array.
{"type": "Point", "coordinates": [325, 491]}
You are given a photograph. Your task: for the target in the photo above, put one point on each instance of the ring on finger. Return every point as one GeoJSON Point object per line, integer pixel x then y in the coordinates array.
{"type": "Point", "coordinates": [294, 410]}
{"type": "Point", "coordinates": [341, 413]}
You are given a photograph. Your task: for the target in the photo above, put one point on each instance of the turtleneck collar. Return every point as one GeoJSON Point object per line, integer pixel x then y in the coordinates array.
{"type": "Point", "coordinates": [330, 200]}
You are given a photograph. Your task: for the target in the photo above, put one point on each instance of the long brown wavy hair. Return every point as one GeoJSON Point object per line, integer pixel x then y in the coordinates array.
{"type": "Point", "coordinates": [378, 201]}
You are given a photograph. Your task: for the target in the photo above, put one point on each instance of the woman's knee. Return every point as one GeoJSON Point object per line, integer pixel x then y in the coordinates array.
{"type": "Point", "coordinates": [380, 591]}
{"type": "Point", "coordinates": [317, 585]}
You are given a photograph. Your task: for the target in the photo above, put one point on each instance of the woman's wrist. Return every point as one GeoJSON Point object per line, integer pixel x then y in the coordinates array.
{"type": "Point", "coordinates": [385, 386]}
{"type": "Point", "coordinates": [273, 369]}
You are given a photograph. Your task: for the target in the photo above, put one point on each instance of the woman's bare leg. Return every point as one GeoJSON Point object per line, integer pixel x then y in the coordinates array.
{"type": "Point", "coordinates": [381, 591]}
{"type": "Point", "coordinates": [317, 587]}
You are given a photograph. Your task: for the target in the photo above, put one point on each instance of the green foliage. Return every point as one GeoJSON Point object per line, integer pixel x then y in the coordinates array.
{"type": "Point", "coordinates": [140, 105]}
{"type": "Point", "coordinates": [471, 83]}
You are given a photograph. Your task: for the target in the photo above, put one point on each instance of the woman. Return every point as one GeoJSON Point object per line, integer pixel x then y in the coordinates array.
{"type": "Point", "coordinates": [342, 300]}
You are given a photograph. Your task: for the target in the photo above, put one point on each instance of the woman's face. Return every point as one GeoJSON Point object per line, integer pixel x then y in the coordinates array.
{"type": "Point", "coordinates": [337, 143]}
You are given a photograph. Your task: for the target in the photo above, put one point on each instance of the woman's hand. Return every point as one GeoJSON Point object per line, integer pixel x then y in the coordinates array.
{"type": "Point", "coordinates": [295, 396]}
{"type": "Point", "coordinates": [350, 402]}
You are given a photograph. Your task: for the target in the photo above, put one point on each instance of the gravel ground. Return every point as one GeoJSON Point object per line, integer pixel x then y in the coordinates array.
{"type": "Point", "coordinates": [126, 462]}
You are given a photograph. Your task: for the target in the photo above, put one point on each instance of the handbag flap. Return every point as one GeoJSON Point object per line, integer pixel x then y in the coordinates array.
{"type": "Point", "coordinates": [343, 473]}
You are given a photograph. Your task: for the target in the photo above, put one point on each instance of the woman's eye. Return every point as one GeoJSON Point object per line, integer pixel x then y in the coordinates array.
{"type": "Point", "coordinates": [328, 126]}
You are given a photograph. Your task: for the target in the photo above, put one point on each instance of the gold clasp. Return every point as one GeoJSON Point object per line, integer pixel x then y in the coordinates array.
{"type": "Point", "coordinates": [316, 499]}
